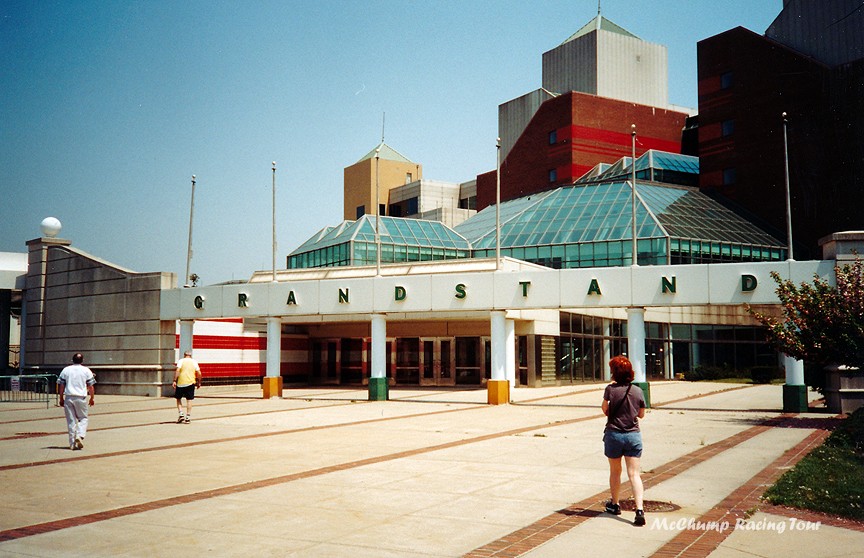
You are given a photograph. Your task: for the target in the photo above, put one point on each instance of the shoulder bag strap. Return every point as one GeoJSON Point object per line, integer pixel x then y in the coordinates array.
{"type": "Point", "coordinates": [614, 412]}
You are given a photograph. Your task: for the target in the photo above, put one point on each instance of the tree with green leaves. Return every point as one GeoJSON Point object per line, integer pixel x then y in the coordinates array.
{"type": "Point", "coordinates": [821, 324]}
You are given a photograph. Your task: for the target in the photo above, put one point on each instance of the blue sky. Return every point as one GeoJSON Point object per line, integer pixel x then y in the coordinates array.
{"type": "Point", "coordinates": [107, 108]}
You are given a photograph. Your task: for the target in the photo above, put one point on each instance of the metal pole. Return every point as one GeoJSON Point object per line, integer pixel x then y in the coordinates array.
{"type": "Point", "coordinates": [789, 256]}
{"type": "Point", "coordinates": [189, 245]}
{"type": "Point", "coordinates": [498, 205]}
{"type": "Point", "coordinates": [274, 220]}
{"type": "Point", "coordinates": [635, 259]}
{"type": "Point", "coordinates": [377, 216]}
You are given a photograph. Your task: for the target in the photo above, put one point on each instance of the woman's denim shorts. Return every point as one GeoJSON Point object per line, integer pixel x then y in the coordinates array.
{"type": "Point", "coordinates": [628, 444]}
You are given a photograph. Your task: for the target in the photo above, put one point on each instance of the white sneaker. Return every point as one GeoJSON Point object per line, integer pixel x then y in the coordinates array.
{"type": "Point", "coordinates": [180, 419]}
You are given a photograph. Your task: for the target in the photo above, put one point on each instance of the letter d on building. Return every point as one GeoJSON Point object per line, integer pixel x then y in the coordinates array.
{"type": "Point", "coordinates": [748, 283]}
{"type": "Point", "coordinates": [400, 293]}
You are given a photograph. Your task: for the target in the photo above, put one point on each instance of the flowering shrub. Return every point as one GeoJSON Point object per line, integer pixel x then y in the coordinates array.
{"type": "Point", "coordinates": [822, 324]}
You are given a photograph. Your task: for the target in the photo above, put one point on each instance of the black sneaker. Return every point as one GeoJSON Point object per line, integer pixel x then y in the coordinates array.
{"type": "Point", "coordinates": [180, 419]}
{"type": "Point", "coordinates": [614, 509]}
{"type": "Point", "coordinates": [640, 518]}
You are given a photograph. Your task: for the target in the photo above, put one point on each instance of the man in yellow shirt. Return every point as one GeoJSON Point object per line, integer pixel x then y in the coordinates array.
{"type": "Point", "coordinates": [186, 378]}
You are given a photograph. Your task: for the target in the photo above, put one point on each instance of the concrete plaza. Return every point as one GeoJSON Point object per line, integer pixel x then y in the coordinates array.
{"type": "Point", "coordinates": [430, 473]}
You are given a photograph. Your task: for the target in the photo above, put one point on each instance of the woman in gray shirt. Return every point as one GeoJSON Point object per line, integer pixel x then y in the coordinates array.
{"type": "Point", "coordinates": [623, 407]}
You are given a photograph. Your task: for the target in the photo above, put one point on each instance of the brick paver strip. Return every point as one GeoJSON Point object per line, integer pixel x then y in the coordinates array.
{"type": "Point", "coordinates": [700, 543]}
{"type": "Point", "coordinates": [544, 530]}
{"type": "Point", "coordinates": [50, 526]}
{"type": "Point", "coordinates": [525, 539]}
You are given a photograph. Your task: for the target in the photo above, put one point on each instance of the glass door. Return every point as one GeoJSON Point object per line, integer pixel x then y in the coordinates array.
{"type": "Point", "coordinates": [408, 361]}
{"type": "Point", "coordinates": [436, 362]}
{"type": "Point", "coordinates": [325, 361]}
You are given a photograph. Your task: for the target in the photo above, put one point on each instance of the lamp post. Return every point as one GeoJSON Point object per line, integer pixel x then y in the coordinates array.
{"type": "Point", "coordinates": [789, 257]}
{"type": "Point", "coordinates": [377, 216]}
{"type": "Point", "coordinates": [274, 221]}
{"type": "Point", "coordinates": [498, 205]}
{"type": "Point", "coordinates": [189, 244]}
{"type": "Point", "coordinates": [635, 261]}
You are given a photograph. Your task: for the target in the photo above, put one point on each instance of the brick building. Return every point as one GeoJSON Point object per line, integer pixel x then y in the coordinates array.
{"type": "Point", "coordinates": [570, 134]}
{"type": "Point", "coordinates": [810, 65]}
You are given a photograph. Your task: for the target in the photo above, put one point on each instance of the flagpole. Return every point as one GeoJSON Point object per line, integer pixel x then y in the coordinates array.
{"type": "Point", "coordinates": [789, 256]}
{"type": "Point", "coordinates": [634, 261]}
{"type": "Point", "coordinates": [189, 244]}
{"type": "Point", "coordinates": [274, 220]}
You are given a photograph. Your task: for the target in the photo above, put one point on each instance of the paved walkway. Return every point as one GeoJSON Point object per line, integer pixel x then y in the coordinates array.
{"type": "Point", "coordinates": [430, 473]}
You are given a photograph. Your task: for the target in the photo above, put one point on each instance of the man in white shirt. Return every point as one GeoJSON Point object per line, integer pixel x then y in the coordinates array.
{"type": "Point", "coordinates": [74, 384]}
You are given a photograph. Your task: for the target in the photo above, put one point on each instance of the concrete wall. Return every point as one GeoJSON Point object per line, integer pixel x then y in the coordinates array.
{"type": "Point", "coordinates": [611, 65]}
{"type": "Point", "coordinates": [74, 302]}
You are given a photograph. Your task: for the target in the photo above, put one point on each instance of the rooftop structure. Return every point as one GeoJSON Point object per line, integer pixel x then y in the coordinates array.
{"type": "Point", "coordinates": [402, 240]}
{"type": "Point", "coordinates": [382, 169]}
{"type": "Point", "coordinates": [586, 224]}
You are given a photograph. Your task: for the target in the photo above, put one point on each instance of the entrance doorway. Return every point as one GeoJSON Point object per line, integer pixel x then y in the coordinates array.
{"type": "Point", "coordinates": [325, 362]}
{"type": "Point", "coordinates": [436, 362]}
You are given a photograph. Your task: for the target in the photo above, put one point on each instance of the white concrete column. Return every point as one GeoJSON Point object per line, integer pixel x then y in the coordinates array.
{"type": "Point", "coordinates": [794, 371]}
{"type": "Point", "coordinates": [499, 339]}
{"type": "Point", "coordinates": [607, 349]}
{"type": "Point", "coordinates": [274, 346]}
{"type": "Point", "coordinates": [186, 327]}
{"type": "Point", "coordinates": [379, 346]}
{"type": "Point", "coordinates": [669, 354]}
{"type": "Point", "coordinates": [636, 342]}
{"type": "Point", "coordinates": [510, 349]}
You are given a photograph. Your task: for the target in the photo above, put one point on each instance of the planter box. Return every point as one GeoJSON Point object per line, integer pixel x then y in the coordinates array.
{"type": "Point", "coordinates": [844, 389]}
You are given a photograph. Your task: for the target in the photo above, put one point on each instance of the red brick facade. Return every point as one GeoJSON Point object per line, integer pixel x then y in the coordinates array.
{"type": "Point", "coordinates": [572, 133]}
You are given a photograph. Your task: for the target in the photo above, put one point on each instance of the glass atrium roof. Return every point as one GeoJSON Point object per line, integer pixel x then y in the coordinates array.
{"type": "Point", "coordinates": [585, 224]}
{"type": "Point", "coordinates": [650, 160]}
{"type": "Point", "coordinates": [394, 230]}
{"type": "Point", "coordinates": [602, 212]}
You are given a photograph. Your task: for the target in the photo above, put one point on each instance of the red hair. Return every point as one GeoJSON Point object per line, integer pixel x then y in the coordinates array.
{"type": "Point", "coordinates": [622, 370]}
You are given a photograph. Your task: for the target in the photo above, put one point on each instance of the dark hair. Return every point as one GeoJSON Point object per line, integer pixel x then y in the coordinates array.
{"type": "Point", "coordinates": [77, 358]}
{"type": "Point", "coordinates": [622, 370]}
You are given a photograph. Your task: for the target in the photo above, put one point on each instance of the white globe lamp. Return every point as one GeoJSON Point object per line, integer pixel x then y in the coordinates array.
{"type": "Point", "coordinates": [51, 227]}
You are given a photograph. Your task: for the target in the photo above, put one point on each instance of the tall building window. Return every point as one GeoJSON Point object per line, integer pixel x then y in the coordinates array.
{"type": "Point", "coordinates": [409, 178]}
{"type": "Point", "coordinates": [553, 175]}
{"type": "Point", "coordinates": [361, 211]}
{"type": "Point", "coordinates": [553, 137]}
{"type": "Point", "coordinates": [726, 80]}
{"type": "Point", "coordinates": [729, 176]}
{"type": "Point", "coordinates": [382, 209]}
{"type": "Point", "coordinates": [727, 128]}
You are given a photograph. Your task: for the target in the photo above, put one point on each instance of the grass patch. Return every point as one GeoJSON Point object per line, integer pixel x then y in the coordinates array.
{"type": "Point", "coordinates": [829, 479]}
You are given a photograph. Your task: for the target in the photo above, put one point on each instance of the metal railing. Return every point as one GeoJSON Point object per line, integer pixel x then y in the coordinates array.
{"type": "Point", "coordinates": [29, 387]}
